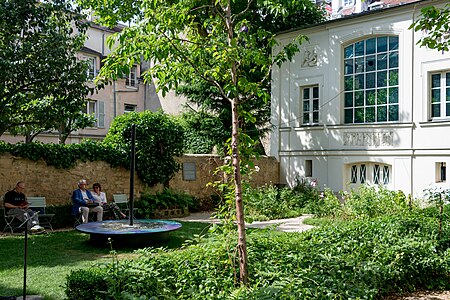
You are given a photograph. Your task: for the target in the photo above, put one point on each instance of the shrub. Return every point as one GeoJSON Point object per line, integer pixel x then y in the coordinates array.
{"type": "Point", "coordinates": [372, 201]}
{"type": "Point", "coordinates": [327, 204]}
{"type": "Point", "coordinates": [158, 140]}
{"type": "Point", "coordinates": [66, 156]}
{"type": "Point", "coordinates": [269, 202]}
{"type": "Point", "coordinates": [86, 284]}
{"type": "Point", "coordinates": [202, 131]}
{"type": "Point", "coordinates": [166, 199]}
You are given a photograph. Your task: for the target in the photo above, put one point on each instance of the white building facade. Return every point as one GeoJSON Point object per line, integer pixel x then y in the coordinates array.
{"type": "Point", "coordinates": [362, 103]}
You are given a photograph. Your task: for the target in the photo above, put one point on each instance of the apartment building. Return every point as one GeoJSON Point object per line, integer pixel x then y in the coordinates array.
{"type": "Point", "coordinates": [121, 96]}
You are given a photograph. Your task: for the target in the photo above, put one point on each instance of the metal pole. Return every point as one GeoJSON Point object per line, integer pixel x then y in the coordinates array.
{"type": "Point", "coordinates": [133, 152]}
{"type": "Point", "coordinates": [25, 264]}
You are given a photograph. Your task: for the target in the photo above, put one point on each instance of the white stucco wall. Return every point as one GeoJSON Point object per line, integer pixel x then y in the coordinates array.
{"type": "Point", "coordinates": [411, 146]}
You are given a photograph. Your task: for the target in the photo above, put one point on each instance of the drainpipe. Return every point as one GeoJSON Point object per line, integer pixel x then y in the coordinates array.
{"type": "Point", "coordinates": [145, 96]}
{"type": "Point", "coordinates": [412, 104]}
{"type": "Point", "coordinates": [114, 99]}
{"type": "Point", "coordinates": [103, 43]}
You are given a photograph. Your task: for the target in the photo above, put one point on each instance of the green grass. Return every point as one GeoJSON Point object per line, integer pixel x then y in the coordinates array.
{"type": "Point", "coordinates": [52, 256]}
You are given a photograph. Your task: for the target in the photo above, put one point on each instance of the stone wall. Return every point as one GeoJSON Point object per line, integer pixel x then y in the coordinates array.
{"type": "Point", "coordinates": [57, 184]}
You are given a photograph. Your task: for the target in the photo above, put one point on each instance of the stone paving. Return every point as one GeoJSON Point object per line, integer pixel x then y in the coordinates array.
{"type": "Point", "coordinates": [287, 225]}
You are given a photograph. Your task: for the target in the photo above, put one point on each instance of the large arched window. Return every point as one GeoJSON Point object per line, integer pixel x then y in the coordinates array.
{"type": "Point", "coordinates": [371, 80]}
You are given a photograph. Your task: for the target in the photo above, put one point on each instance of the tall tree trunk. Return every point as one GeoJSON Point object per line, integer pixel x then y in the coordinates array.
{"type": "Point", "coordinates": [62, 135]}
{"type": "Point", "coordinates": [242, 242]}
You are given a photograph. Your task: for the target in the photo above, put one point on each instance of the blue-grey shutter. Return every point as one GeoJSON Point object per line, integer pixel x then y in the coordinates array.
{"type": "Point", "coordinates": [101, 114]}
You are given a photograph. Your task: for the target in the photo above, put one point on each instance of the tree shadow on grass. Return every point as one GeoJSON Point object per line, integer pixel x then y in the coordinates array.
{"type": "Point", "coordinates": [57, 253]}
{"type": "Point", "coordinates": [70, 247]}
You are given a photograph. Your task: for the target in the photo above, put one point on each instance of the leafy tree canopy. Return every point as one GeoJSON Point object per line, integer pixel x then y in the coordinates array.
{"type": "Point", "coordinates": [435, 24]}
{"type": "Point", "coordinates": [205, 95]}
{"type": "Point", "coordinates": [256, 22]}
{"type": "Point", "coordinates": [42, 83]}
{"type": "Point", "coordinates": [158, 140]}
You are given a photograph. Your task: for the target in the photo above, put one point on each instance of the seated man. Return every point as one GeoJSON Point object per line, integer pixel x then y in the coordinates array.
{"type": "Point", "coordinates": [81, 201]}
{"type": "Point", "coordinates": [16, 204]}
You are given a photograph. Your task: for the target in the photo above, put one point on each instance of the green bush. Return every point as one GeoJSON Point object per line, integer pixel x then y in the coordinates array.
{"type": "Point", "coordinates": [372, 201]}
{"type": "Point", "coordinates": [166, 199]}
{"type": "Point", "coordinates": [327, 204]}
{"type": "Point", "coordinates": [269, 202]}
{"type": "Point", "coordinates": [87, 284]}
{"type": "Point", "coordinates": [159, 140]}
{"type": "Point", "coordinates": [66, 156]}
{"type": "Point", "coordinates": [202, 131]}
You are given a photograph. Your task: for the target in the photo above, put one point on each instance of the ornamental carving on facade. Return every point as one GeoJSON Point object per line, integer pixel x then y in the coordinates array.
{"type": "Point", "coordinates": [376, 139]}
{"type": "Point", "coordinates": [309, 58]}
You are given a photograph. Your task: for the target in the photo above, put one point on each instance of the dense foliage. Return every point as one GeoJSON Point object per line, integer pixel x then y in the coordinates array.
{"type": "Point", "coordinates": [433, 23]}
{"type": "Point", "coordinates": [202, 132]}
{"type": "Point", "coordinates": [359, 259]}
{"type": "Point", "coordinates": [270, 202]}
{"type": "Point", "coordinates": [65, 156]}
{"type": "Point", "coordinates": [167, 199]}
{"type": "Point", "coordinates": [43, 85]}
{"type": "Point", "coordinates": [159, 139]}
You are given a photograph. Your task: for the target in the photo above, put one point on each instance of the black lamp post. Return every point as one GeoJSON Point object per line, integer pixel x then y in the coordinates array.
{"type": "Point", "coordinates": [25, 264]}
{"type": "Point", "coordinates": [133, 153]}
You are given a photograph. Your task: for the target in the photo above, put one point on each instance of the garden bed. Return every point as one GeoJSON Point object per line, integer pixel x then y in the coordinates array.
{"type": "Point", "coordinates": [170, 213]}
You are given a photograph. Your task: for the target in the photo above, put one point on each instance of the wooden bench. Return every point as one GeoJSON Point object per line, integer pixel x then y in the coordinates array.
{"type": "Point", "coordinates": [39, 204]}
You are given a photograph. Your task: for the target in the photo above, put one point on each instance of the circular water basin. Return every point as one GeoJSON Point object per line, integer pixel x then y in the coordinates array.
{"type": "Point", "coordinates": [143, 232]}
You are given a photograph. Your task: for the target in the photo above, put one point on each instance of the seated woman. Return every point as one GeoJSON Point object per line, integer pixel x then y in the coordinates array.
{"type": "Point", "coordinates": [100, 198]}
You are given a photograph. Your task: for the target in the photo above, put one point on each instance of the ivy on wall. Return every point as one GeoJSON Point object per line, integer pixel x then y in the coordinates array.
{"type": "Point", "coordinates": [159, 139]}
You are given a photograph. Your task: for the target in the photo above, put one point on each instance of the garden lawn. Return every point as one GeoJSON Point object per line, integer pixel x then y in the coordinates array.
{"type": "Point", "coordinates": [54, 255]}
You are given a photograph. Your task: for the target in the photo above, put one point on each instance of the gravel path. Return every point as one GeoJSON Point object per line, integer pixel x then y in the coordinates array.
{"type": "Point", "coordinates": [287, 225]}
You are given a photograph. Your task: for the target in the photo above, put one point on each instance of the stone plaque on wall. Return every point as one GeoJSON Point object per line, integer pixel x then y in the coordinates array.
{"type": "Point", "coordinates": [375, 139]}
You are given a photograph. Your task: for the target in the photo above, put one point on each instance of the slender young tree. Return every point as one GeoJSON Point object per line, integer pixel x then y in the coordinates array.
{"type": "Point", "coordinates": [213, 41]}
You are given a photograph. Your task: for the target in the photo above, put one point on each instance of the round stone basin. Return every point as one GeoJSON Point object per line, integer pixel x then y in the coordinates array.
{"type": "Point", "coordinates": [143, 232]}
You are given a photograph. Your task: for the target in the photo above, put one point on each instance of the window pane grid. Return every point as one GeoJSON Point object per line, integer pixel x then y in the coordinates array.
{"type": "Point", "coordinates": [354, 174]}
{"type": "Point", "coordinates": [362, 173]}
{"type": "Point", "coordinates": [386, 175]}
{"type": "Point", "coordinates": [310, 107]}
{"type": "Point", "coordinates": [91, 69]}
{"type": "Point", "coordinates": [371, 81]}
{"type": "Point", "coordinates": [131, 80]}
{"type": "Point", "coordinates": [91, 109]}
{"type": "Point", "coordinates": [440, 95]}
{"type": "Point", "coordinates": [376, 174]}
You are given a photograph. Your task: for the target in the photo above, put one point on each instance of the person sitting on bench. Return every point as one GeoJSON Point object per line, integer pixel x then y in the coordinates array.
{"type": "Point", "coordinates": [16, 204]}
{"type": "Point", "coordinates": [100, 198]}
{"type": "Point", "coordinates": [83, 202]}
